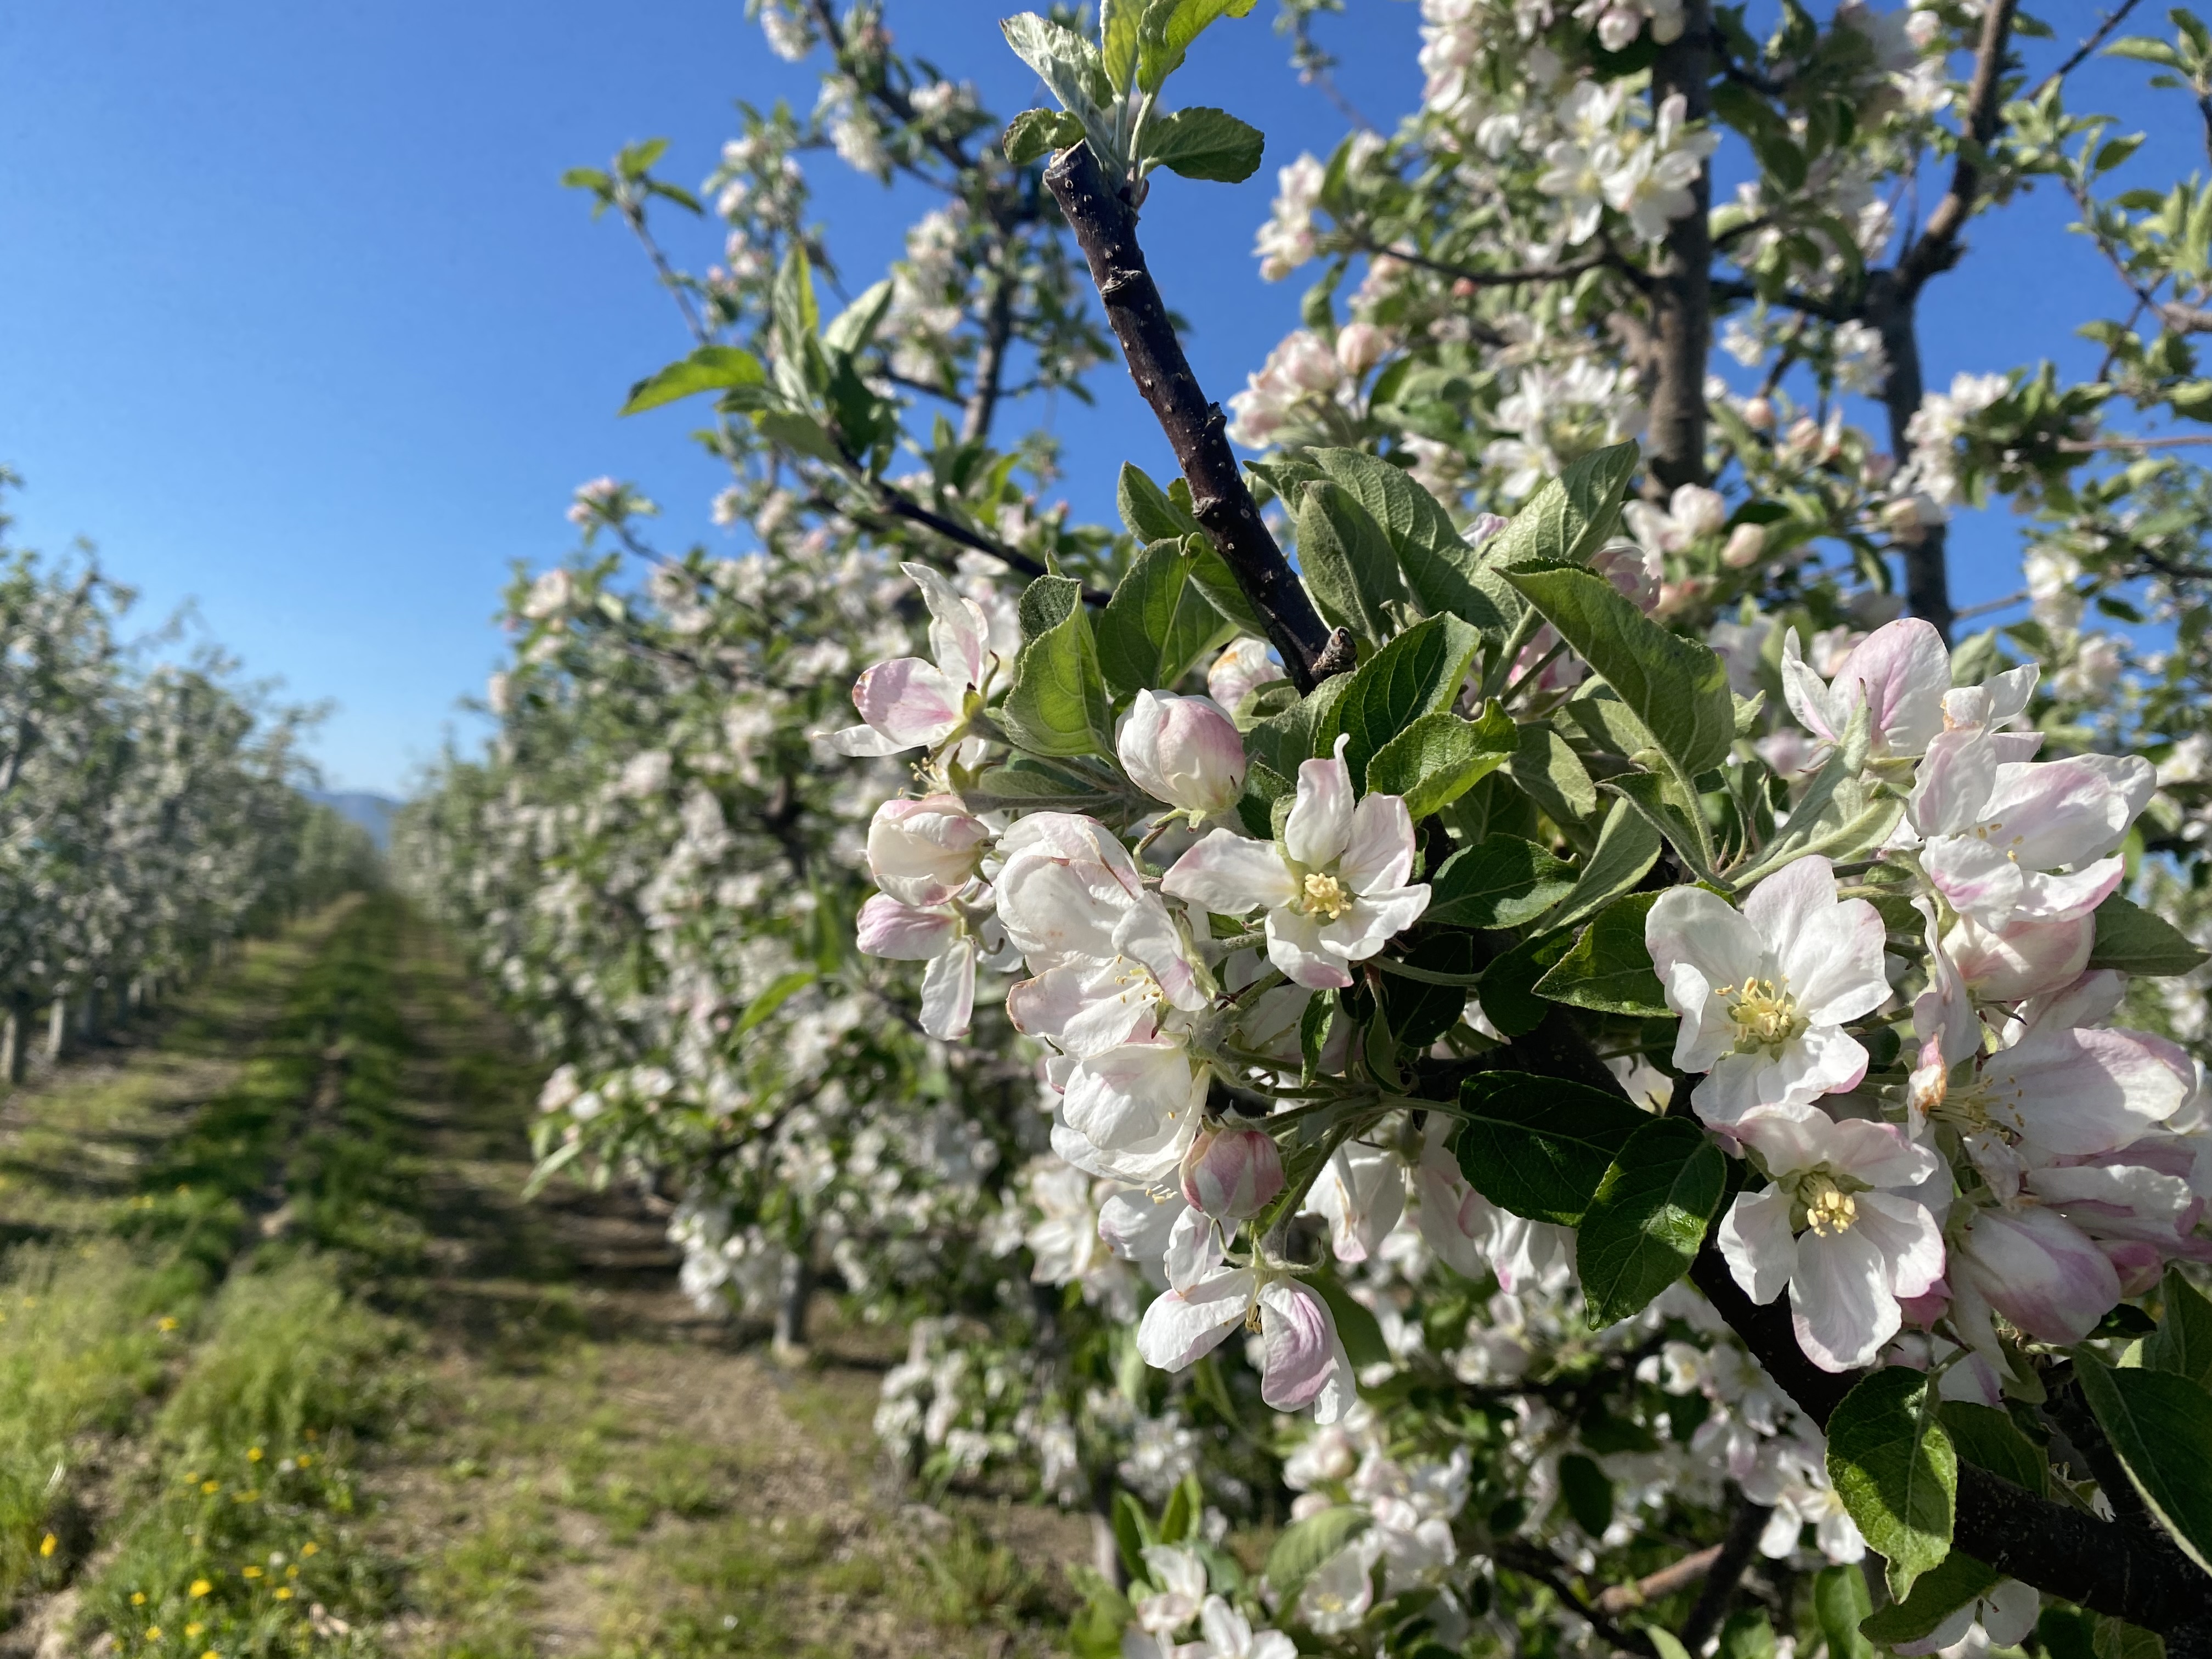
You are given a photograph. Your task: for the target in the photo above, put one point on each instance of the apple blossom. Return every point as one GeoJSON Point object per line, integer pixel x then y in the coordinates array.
{"type": "Point", "coordinates": [2001, 1616]}
{"type": "Point", "coordinates": [1182, 750]}
{"type": "Point", "coordinates": [1232, 1173]}
{"type": "Point", "coordinates": [1765, 992]}
{"type": "Point", "coordinates": [1835, 1229]}
{"type": "Point", "coordinates": [1241, 668]}
{"type": "Point", "coordinates": [1303, 1361]}
{"type": "Point", "coordinates": [1334, 887]}
{"type": "Point", "coordinates": [909, 703]}
{"type": "Point", "coordinates": [923, 851]}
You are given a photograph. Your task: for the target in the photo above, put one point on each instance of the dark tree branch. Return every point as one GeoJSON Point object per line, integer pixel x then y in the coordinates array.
{"type": "Point", "coordinates": [1745, 1523]}
{"type": "Point", "coordinates": [2112, 21]}
{"type": "Point", "coordinates": [1106, 229]}
{"type": "Point", "coordinates": [1937, 248]}
{"type": "Point", "coordinates": [991, 358]}
{"type": "Point", "coordinates": [1655, 1587]}
{"type": "Point", "coordinates": [1533, 1564]}
{"type": "Point", "coordinates": [1682, 300]}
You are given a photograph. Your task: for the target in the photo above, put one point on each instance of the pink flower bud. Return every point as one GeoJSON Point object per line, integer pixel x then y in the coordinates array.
{"type": "Point", "coordinates": [1232, 1174]}
{"type": "Point", "coordinates": [923, 852]}
{"type": "Point", "coordinates": [1183, 750]}
{"type": "Point", "coordinates": [1758, 414]}
{"type": "Point", "coordinates": [1746, 543]}
{"type": "Point", "coordinates": [1359, 347]}
{"type": "Point", "coordinates": [1308, 363]}
{"type": "Point", "coordinates": [1241, 668]}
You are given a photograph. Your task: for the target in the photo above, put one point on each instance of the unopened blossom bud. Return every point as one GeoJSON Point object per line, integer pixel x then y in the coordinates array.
{"type": "Point", "coordinates": [1309, 364]}
{"type": "Point", "coordinates": [1746, 543]}
{"type": "Point", "coordinates": [922, 852]}
{"type": "Point", "coordinates": [1699, 511]}
{"type": "Point", "coordinates": [1242, 668]}
{"type": "Point", "coordinates": [1758, 414]}
{"type": "Point", "coordinates": [1183, 750]}
{"type": "Point", "coordinates": [1359, 347]}
{"type": "Point", "coordinates": [1232, 1174]}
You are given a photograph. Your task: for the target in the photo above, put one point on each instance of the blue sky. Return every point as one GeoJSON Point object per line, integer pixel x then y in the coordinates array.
{"type": "Point", "coordinates": [297, 325]}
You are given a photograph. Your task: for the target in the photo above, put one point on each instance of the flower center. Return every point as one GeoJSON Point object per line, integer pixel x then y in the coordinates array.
{"type": "Point", "coordinates": [1765, 1013]}
{"type": "Point", "coordinates": [1828, 1207]}
{"type": "Point", "coordinates": [1325, 896]}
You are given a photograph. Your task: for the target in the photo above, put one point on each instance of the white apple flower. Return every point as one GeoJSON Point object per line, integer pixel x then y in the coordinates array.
{"type": "Point", "coordinates": [1302, 1360]}
{"type": "Point", "coordinates": [2032, 1266]}
{"type": "Point", "coordinates": [923, 852]}
{"type": "Point", "coordinates": [1182, 750]}
{"type": "Point", "coordinates": [940, 935]}
{"type": "Point", "coordinates": [1334, 887]}
{"type": "Point", "coordinates": [1764, 992]}
{"type": "Point", "coordinates": [2001, 1616]}
{"type": "Point", "coordinates": [2005, 838]}
{"type": "Point", "coordinates": [1230, 1635]}
{"type": "Point", "coordinates": [1181, 1576]}
{"type": "Point", "coordinates": [1900, 673]}
{"type": "Point", "coordinates": [907, 702]}
{"type": "Point", "coordinates": [1241, 668]}
{"type": "Point", "coordinates": [1835, 1228]}
{"type": "Point", "coordinates": [1360, 1193]}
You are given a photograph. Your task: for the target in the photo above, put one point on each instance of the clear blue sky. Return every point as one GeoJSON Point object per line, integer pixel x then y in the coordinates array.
{"type": "Point", "coordinates": [296, 324]}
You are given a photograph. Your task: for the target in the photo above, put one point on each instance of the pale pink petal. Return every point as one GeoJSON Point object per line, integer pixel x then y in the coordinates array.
{"type": "Point", "coordinates": [2037, 1269]}
{"type": "Point", "coordinates": [1137, 1226]}
{"type": "Point", "coordinates": [1901, 670]}
{"type": "Point", "coordinates": [959, 635]}
{"type": "Point", "coordinates": [1381, 851]}
{"type": "Point", "coordinates": [1228, 875]}
{"type": "Point", "coordinates": [1951, 785]}
{"type": "Point", "coordinates": [2024, 957]}
{"type": "Point", "coordinates": [1690, 926]}
{"type": "Point", "coordinates": [1182, 1327]}
{"type": "Point", "coordinates": [2067, 813]}
{"type": "Point", "coordinates": [2074, 1091]}
{"type": "Point", "coordinates": [1454, 1217]}
{"type": "Point", "coordinates": [2070, 897]}
{"type": "Point", "coordinates": [1833, 965]}
{"type": "Point", "coordinates": [1294, 946]}
{"type": "Point", "coordinates": [1756, 1242]}
{"type": "Point", "coordinates": [1840, 1303]}
{"type": "Point", "coordinates": [1194, 1251]}
{"type": "Point", "coordinates": [1135, 1097]}
{"type": "Point", "coordinates": [1880, 1154]}
{"type": "Point", "coordinates": [910, 701]}
{"type": "Point", "coordinates": [1790, 1139]}
{"type": "Point", "coordinates": [1910, 1242]}
{"type": "Point", "coordinates": [1319, 826]}
{"type": "Point", "coordinates": [948, 992]}
{"type": "Point", "coordinates": [1299, 1345]}
{"type": "Point", "coordinates": [1807, 694]}
{"type": "Point", "coordinates": [1373, 922]}
{"type": "Point", "coordinates": [864, 743]}
{"type": "Point", "coordinates": [2008, 1612]}
{"type": "Point", "coordinates": [902, 933]}
{"type": "Point", "coordinates": [1976, 877]}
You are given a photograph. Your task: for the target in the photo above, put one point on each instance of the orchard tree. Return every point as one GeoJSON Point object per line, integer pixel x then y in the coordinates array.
{"type": "Point", "coordinates": [1520, 900]}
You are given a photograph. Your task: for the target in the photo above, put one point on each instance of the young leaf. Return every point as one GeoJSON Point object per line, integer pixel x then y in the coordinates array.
{"type": "Point", "coordinates": [1500, 882]}
{"type": "Point", "coordinates": [1538, 1147]}
{"type": "Point", "coordinates": [2160, 1424]}
{"type": "Point", "coordinates": [1058, 704]}
{"type": "Point", "coordinates": [1071, 70]}
{"type": "Point", "coordinates": [1446, 576]}
{"type": "Point", "coordinates": [851, 329]}
{"type": "Point", "coordinates": [1306, 728]}
{"type": "Point", "coordinates": [2133, 940]}
{"type": "Point", "coordinates": [1157, 624]}
{"type": "Point", "coordinates": [1203, 143]}
{"type": "Point", "coordinates": [1168, 29]}
{"type": "Point", "coordinates": [710, 368]}
{"type": "Point", "coordinates": [778, 991]}
{"type": "Point", "coordinates": [2182, 1342]}
{"type": "Point", "coordinates": [1569, 517]}
{"type": "Point", "coordinates": [1553, 775]}
{"type": "Point", "coordinates": [1677, 687]}
{"type": "Point", "coordinates": [1609, 969]}
{"type": "Point", "coordinates": [1989, 1440]}
{"type": "Point", "coordinates": [1419, 673]}
{"type": "Point", "coordinates": [1938, 1595]}
{"type": "Point", "coordinates": [792, 301]}
{"type": "Point", "coordinates": [1036, 133]}
{"type": "Point", "coordinates": [1839, 1602]}
{"type": "Point", "coordinates": [1439, 757]}
{"type": "Point", "coordinates": [1304, 1545]}
{"type": "Point", "coordinates": [1661, 801]}
{"type": "Point", "coordinates": [1647, 1218]}
{"type": "Point", "coordinates": [1118, 23]}
{"type": "Point", "coordinates": [1347, 562]}
{"type": "Point", "coordinates": [1627, 846]}
{"type": "Point", "coordinates": [1893, 1465]}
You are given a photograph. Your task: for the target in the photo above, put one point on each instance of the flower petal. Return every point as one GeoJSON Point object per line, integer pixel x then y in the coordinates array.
{"type": "Point", "coordinates": [902, 932]}
{"type": "Point", "coordinates": [1840, 1303]}
{"type": "Point", "coordinates": [1183, 1326]}
{"type": "Point", "coordinates": [909, 701]}
{"type": "Point", "coordinates": [948, 992]}
{"type": "Point", "coordinates": [1379, 855]}
{"type": "Point", "coordinates": [1228, 875]}
{"type": "Point", "coordinates": [1756, 1242]}
{"type": "Point", "coordinates": [1319, 826]}
{"type": "Point", "coordinates": [1294, 946]}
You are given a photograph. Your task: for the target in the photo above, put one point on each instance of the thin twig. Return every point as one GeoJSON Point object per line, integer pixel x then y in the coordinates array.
{"type": "Point", "coordinates": [2113, 20]}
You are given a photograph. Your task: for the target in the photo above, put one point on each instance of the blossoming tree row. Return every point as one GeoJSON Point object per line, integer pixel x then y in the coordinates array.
{"type": "Point", "coordinates": [1498, 990]}
{"type": "Point", "coordinates": [148, 817]}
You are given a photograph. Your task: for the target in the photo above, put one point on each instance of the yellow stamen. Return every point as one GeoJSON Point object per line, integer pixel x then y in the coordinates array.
{"type": "Point", "coordinates": [1325, 896]}
{"type": "Point", "coordinates": [1828, 1208]}
{"type": "Point", "coordinates": [1765, 1013]}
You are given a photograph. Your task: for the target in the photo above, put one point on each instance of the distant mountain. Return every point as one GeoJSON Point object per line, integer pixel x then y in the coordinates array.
{"type": "Point", "coordinates": [372, 812]}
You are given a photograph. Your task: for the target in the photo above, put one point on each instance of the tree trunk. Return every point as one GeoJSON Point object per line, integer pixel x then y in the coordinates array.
{"type": "Point", "coordinates": [13, 1041]}
{"type": "Point", "coordinates": [793, 1296]}
{"type": "Point", "coordinates": [1683, 302]}
{"type": "Point", "coordinates": [57, 1023]}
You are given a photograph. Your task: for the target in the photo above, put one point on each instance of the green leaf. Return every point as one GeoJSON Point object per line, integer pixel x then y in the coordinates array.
{"type": "Point", "coordinates": [1439, 757]}
{"type": "Point", "coordinates": [1553, 775]}
{"type": "Point", "coordinates": [1447, 577]}
{"type": "Point", "coordinates": [2182, 1342]}
{"type": "Point", "coordinates": [1839, 1602]}
{"type": "Point", "coordinates": [1660, 800]}
{"type": "Point", "coordinates": [1938, 1593]}
{"type": "Point", "coordinates": [1538, 1146]}
{"type": "Point", "coordinates": [1568, 518]}
{"type": "Point", "coordinates": [797, 319]}
{"type": "Point", "coordinates": [1057, 704]}
{"type": "Point", "coordinates": [1201, 143]}
{"type": "Point", "coordinates": [1168, 29]}
{"type": "Point", "coordinates": [1356, 1325]}
{"type": "Point", "coordinates": [1072, 72]}
{"type": "Point", "coordinates": [1347, 562]}
{"type": "Point", "coordinates": [1133, 1531]}
{"type": "Point", "coordinates": [1666, 1645]}
{"type": "Point", "coordinates": [1627, 846]}
{"type": "Point", "coordinates": [1419, 673]}
{"type": "Point", "coordinates": [1036, 133]}
{"type": "Point", "coordinates": [1644, 1226]}
{"type": "Point", "coordinates": [1609, 969]}
{"type": "Point", "coordinates": [854, 328]}
{"type": "Point", "coordinates": [1892, 1465]}
{"type": "Point", "coordinates": [1421, 1011]}
{"type": "Point", "coordinates": [1149, 512]}
{"type": "Point", "coordinates": [1305, 1545]}
{"type": "Point", "coordinates": [1508, 991]}
{"type": "Point", "coordinates": [778, 991]}
{"type": "Point", "coordinates": [1157, 624]}
{"type": "Point", "coordinates": [710, 368]}
{"type": "Point", "coordinates": [1989, 1440]}
{"type": "Point", "coordinates": [1186, 1505]}
{"type": "Point", "coordinates": [1501, 882]}
{"type": "Point", "coordinates": [1677, 687]}
{"type": "Point", "coordinates": [1839, 815]}
{"type": "Point", "coordinates": [2133, 940]}
{"type": "Point", "coordinates": [1118, 23]}
{"type": "Point", "coordinates": [2160, 1424]}
{"type": "Point", "coordinates": [1587, 1492]}
{"type": "Point", "coordinates": [2145, 48]}
{"type": "Point", "coordinates": [802, 433]}
{"type": "Point", "coordinates": [1747, 1635]}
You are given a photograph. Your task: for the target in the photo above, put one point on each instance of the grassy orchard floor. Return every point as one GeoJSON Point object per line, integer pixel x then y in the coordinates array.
{"type": "Point", "coordinates": [286, 1367]}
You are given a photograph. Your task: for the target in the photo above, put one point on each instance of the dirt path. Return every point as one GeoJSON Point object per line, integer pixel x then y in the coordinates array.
{"type": "Point", "coordinates": [509, 1433]}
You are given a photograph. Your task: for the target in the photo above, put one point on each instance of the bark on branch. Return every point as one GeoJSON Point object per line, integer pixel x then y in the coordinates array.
{"type": "Point", "coordinates": [1683, 305]}
{"type": "Point", "coordinates": [1106, 230]}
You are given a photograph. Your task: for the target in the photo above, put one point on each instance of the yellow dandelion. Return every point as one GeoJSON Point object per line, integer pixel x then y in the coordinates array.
{"type": "Point", "coordinates": [284, 1592]}
{"type": "Point", "coordinates": [167, 1322]}
{"type": "Point", "coordinates": [138, 1598]}
{"type": "Point", "coordinates": [153, 1632]}
{"type": "Point", "coordinates": [292, 1571]}
{"type": "Point", "coordinates": [193, 1630]}
{"type": "Point", "coordinates": [210, 1487]}
{"type": "Point", "coordinates": [211, 1654]}
{"type": "Point", "coordinates": [303, 1460]}
{"type": "Point", "coordinates": [249, 1572]}
{"type": "Point", "coordinates": [254, 1455]}
{"type": "Point", "coordinates": [310, 1548]}
{"type": "Point", "coordinates": [48, 1544]}
{"type": "Point", "coordinates": [201, 1587]}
